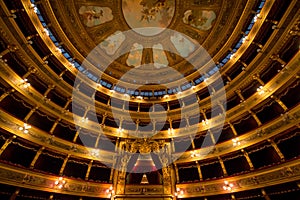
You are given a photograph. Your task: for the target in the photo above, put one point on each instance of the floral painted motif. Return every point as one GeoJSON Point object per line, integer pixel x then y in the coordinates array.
{"type": "Point", "coordinates": [200, 19]}
{"type": "Point", "coordinates": [94, 15]}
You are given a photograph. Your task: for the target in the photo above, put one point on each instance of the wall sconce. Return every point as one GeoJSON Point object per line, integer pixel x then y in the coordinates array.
{"type": "Point", "coordinates": [179, 93]}
{"type": "Point", "coordinates": [60, 183]}
{"type": "Point", "coordinates": [25, 128]}
{"type": "Point", "coordinates": [245, 39]}
{"type": "Point", "coordinates": [170, 131]}
{"type": "Point", "coordinates": [33, 6]}
{"type": "Point", "coordinates": [139, 97]}
{"type": "Point", "coordinates": [120, 130]}
{"type": "Point", "coordinates": [95, 153]}
{"type": "Point", "coordinates": [179, 193]}
{"type": "Point", "coordinates": [166, 96]}
{"type": "Point", "coordinates": [14, 16]}
{"type": "Point", "coordinates": [260, 90]}
{"type": "Point", "coordinates": [205, 122]}
{"type": "Point", "coordinates": [228, 186]}
{"type": "Point", "coordinates": [232, 56]}
{"type": "Point", "coordinates": [110, 192]}
{"type": "Point", "coordinates": [257, 16]}
{"type": "Point", "coordinates": [24, 83]}
{"type": "Point", "coordinates": [127, 96]}
{"type": "Point", "coordinates": [84, 119]}
{"type": "Point", "coordinates": [194, 154]}
{"type": "Point", "coordinates": [46, 31]}
{"type": "Point", "coordinates": [58, 49]}
{"type": "Point", "coordinates": [236, 142]}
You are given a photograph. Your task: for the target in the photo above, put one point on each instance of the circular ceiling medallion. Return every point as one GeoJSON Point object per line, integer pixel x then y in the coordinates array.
{"type": "Point", "coordinates": [156, 14]}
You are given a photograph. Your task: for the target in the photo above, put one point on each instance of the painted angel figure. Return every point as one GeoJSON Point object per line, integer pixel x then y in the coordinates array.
{"type": "Point", "coordinates": [94, 15]}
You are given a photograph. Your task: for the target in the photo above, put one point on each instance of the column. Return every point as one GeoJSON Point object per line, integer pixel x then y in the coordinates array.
{"type": "Point", "coordinates": [37, 155]}
{"type": "Point", "coordinates": [248, 159]}
{"type": "Point", "coordinates": [172, 145]}
{"type": "Point", "coordinates": [283, 106]}
{"type": "Point", "coordinates": [233, 129]}
{"type": "Point", "coordinates": [68, 102]}
{"type": "Point", "coordinates": [10, 48]}
{"type": "Point", "coordinates": [62, 73]}
{"type": "Point", "coordinates": [6, 94]}
{"type": "Point", "coordinates": [176, 173]}
{"type": "Point", "coordinates": [265, 194]}
{"type": "Point", "coordinates": [50, 87]}
{"type": "Point", "coordinates": [274, 145]}
{"type": "Point", "coordinates": [30, 113]}
{"type": "Point", "coordinates": [256, 77]}
{"type": "Point", "coordinates": [15, 194]}
{"type": "Point", "coordinates": [192, 142]}
{"type": "Point", "coordinates": [76, 134]}
{"type": "Point", "coordinates": [199, 171]}
{"type": "Point", "coordinates": [239, 93]}
{"type": "Point", "coordinates": [30, 71]}
{"type": "Point", "coordinates": [88, 170]}
{"type": "Point", "coordinates": [100, 133]}
{"type": "Point", "coordinates": [54, 126]}
{"type": "Point", "coordinates": [255, 117]}
{"type": "Point", "coordinates": [64, 165]}
{"type": "Point", "coordinates": [7, 142]}
{"type": "Point", "coordinates": [114, 161]}
{"type": "Point", "coordinates": [139, 107]}
{"type": "Point", "coordinates": [223, 166]}
{"type": "Point", "coordinates": [209, 131]}
{"type": "Point", "coordinates": [278, 59]}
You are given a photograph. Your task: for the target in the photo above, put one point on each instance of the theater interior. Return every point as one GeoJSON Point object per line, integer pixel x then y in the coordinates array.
{"type": "Point", "coordinates": [150, 99]}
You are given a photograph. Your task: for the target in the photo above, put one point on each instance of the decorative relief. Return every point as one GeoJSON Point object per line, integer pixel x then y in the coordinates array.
{"type": "Point", "coordinates": [94, 15]}
{"type": "Point", "coordinates": [145, 145]}
{"type": "Point", "coordinates": [144, 190]}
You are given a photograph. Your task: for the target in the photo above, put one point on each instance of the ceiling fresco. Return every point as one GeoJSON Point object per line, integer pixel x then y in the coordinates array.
{"type": "Point", "coordinates": [148, 13]}
{"type": "Point", "coordinates": [89, 23]}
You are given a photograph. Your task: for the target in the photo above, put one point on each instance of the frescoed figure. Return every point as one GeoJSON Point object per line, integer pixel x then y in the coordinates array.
{"type": "Point", "coordinates": [113, 42]}
{"type": "Point", "coordinates": [200, 19]}
{"type": "Point", "coordinates": [148, 13]}
{"type": "Point", "coordinates": [135, 55]}
{"type": "Point", "coordinates": [159, 56]}
{"type": "Point", "coordinates": [184, 46]}
{"type": "Point", "coordinates": [94, 15]}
